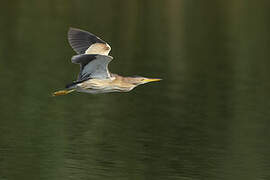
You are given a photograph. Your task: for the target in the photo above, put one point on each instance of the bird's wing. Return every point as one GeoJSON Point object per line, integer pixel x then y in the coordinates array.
{"type": "Point", "coordinates": [92, 66]}
{"type": "Point", "coordinates": [84, 42]}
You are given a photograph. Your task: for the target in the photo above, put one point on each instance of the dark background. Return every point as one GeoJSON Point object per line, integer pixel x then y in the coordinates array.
{"type": "Point", "coordinates": [207, 119]}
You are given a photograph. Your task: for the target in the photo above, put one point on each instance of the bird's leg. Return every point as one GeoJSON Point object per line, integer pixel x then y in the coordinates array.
{"type": "Point", "coordinates": [62, 92]}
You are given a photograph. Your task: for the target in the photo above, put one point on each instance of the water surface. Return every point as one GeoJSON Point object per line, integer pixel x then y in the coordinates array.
{"type": "Point", "coordinates": [207, 119]}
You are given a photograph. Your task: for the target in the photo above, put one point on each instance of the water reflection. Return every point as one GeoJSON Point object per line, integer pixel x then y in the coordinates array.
{"type": "Point", "coordinates": [207, 119]}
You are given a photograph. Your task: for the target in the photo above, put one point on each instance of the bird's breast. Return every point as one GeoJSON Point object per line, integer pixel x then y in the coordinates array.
{"type": "Point", "coordinates": [96, 86]}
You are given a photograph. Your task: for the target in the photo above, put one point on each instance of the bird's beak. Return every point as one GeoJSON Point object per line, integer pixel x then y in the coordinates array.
{"type": "Point", "coordinates": [151, 80]}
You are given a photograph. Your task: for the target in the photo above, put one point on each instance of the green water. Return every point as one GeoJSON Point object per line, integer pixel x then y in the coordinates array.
{"type": "Point", "coordinates": [207, 119]}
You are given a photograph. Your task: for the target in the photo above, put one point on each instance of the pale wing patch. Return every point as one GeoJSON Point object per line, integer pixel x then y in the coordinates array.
{"type": "Point", "coordinates": [98, 48]}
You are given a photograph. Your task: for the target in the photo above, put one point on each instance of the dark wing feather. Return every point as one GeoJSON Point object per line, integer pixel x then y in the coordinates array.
{"type": "Point", "coordinates": [81, 40]}
{"type": "Point", "coordinates": [92, 66]}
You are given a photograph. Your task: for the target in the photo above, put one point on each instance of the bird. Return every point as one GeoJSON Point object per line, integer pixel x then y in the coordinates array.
{"type": "Point", "coordinates": [93, 58]}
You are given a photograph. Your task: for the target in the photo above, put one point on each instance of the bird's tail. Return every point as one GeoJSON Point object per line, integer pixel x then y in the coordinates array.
{"type": "Point", "coordinates": [62, 92]}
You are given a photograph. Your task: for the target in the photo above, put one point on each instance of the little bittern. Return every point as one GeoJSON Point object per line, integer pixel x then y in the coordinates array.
{"type": "Point", "coordinates": [94, 76]}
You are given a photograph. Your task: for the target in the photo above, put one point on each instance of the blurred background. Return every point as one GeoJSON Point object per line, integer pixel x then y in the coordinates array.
{"type": "Point", "coordinates": [207, 119]}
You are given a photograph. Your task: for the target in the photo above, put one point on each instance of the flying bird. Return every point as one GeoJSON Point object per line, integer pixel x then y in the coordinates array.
{"type": "Point", "coordinates": [94, 76]}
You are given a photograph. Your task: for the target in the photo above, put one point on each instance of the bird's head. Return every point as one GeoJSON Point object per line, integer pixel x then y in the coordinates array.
{"type": "Point", "coordinates": [142, 80]}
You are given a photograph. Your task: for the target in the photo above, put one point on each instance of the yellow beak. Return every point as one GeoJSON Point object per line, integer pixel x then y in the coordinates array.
{"type": "Point", "coordinates": [151, 80]}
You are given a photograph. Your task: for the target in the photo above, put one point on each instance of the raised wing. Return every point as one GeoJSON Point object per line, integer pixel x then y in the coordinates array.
{"type": "Point", "coordinates": [84, 42]}
{"type": "Point", "coordinates": [92, 66]}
